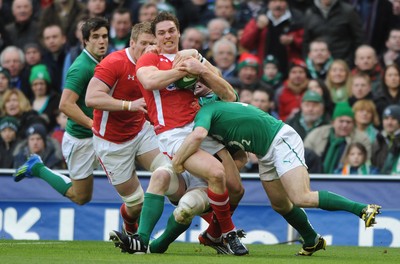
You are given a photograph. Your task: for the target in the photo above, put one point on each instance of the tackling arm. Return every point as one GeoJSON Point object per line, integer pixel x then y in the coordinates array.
{"type": "Point", "coordinates": [189, 146]}
{"type": "Point", "coordinates": [69, 107]}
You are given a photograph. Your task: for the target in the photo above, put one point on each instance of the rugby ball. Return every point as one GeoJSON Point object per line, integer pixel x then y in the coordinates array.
{"type": "Point", "coordinates": [186, 82]}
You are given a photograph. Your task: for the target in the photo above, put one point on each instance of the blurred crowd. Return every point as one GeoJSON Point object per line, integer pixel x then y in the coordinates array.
{"type": "Point", "coordinates": [328, 68]}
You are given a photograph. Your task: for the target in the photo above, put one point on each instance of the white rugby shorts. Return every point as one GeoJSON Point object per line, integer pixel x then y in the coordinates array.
{"type": "Point", "coordinates": [79, 156]}
{"type": "Point", "coordinates": [286, 153]}
{"type": "Point", "coordinates": [118, 160]}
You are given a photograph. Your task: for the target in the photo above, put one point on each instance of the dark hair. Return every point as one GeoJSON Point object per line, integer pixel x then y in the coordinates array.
{"type": "Point", "coordinates": [164, 16]}
{"type": "Point", "coordinates": [361, 147]}
{"type": "Point", "coordinates": [121, 11]}
{"type": "Point", "coordinates": [326, 96]}
{"type": "Point", "coordinates": [384, 87]}
{"type": "Point", "coordinates": [93, 24]}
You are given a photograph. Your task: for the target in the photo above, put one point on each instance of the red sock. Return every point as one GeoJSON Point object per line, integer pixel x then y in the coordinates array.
{"type": "Point", "coordinates": [207, 216]}
{"type": "Point", "coordinates": [214, 229]}
{"type": "Point", "coordinates": [131, 224]}
{"type": "Point", "coordinates": [220, 205]}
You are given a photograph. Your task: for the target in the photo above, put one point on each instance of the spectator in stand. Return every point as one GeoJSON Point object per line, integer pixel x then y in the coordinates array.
{"type": "Point", "coordinates": [4, 85]}
{"type": "Point", "coordinates": [278, 31]}
{"type": "Point", "coordinates": [366, 61]}
{"type": "Point", "coordinates": [289, 98]}
{"type": "Point", "coordinates": [319, 59]}
{"type": "Point", "coordinates": [4, 38]}
{"type": "Point", "coordinates": [319, 86]}
{"type": "Point", "coordinates": [96, 8]}
{"type": "Point", "coordinates": [356, 161]}
{"type": "Point", "coordinates": [395, 19]}
{"type": "Point", "coordinates": [249, 9]}
{"type": "Point", "coordinates": [44, 101]}
{"type": "Point", "coordinates": [16, 104]}
{"type": "Point", "coordinates": [192, 38]}
{"type": "Point", "coordinates": [215, 28]}
{"type": "Point", "coordinates": [58, 132]}
{"type": "Point", "coordinates": [226, 9]}
{"type": "Point", "coordinates": [248, 65]}
{"type": "Point", "coordinates": [33, 56]}
{"type": "Point", "coordinates": [12, 58]}
{"type": "Point", "coordinates": [8, 141]}
{"type": "Point", "coordinates": [54, 41]}
{"type": "Point", "coordinates": [386, 148]}
{"type": "Point", "coordinates": [311, 114]}
{"type": "Point", "coordinates": [375, 15]}
{"type": "Point", "coordinates": [194, 13]}
{"type": "Point", "coordinates": [330, 142]}
{"type": "Point", "coordinates": [37, 142]}
{"type": "Point", "coordinates": [360, 88]}
{"type": "Point", "coordinates": [263, 99]}
{"type": "Point", "coordinates": [390, 89]}
{"type": "Point", "coordinates": [120, 29]}
{"type": "Point", "coordinates": [271, 74]}
{"type": "Point", "coordinates": [66, 13]}
{"type": "Point", "coordinates": [391, 54]}
{"type": "Point", "coordinates": [24, 29]}
{"type": "Point", "coordinates": [338, 80]}
{"type": "Point", "coordinates": [246, 95]}
{"type": "Point", "coordinates": [147, 12]}
{"type": "Point", "coordinates": [366, 118]}
{"type": "Point", "coordinates": [338, 23]}
{"type": "Point", "coordinates": [224, 57]}
{"type": "Point", "coordinates": [301, 5]}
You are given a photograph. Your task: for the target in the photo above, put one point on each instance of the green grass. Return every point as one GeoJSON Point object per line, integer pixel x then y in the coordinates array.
{"type": "Point", "coordinates": [57, 252]}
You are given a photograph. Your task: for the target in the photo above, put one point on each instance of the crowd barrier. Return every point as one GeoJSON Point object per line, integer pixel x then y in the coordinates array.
{"type": "Point", "coordinates": [32, 210]}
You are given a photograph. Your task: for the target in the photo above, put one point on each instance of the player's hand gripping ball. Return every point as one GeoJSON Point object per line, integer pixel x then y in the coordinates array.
{"type": "Point", "coordinates": [186, 82]}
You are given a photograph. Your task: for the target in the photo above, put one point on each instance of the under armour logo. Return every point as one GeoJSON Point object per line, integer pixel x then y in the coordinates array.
{"type": "Point", "coordinates": [131, 77]}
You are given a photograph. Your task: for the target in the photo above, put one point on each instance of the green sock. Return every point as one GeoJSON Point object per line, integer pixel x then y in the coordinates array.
{"type": "Point", "coordinates": [59, 182]}
{"type": "Point", "coordinates": [171, 233]}
{"type": "Point", "coordinates": [299, 220]}
{"type": "Point", "coordinates": [334, 202]}
{"type": "Point", "coordinates": [152, 209]}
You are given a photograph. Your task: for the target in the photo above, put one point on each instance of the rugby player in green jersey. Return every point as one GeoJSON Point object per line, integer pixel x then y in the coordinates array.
{"type": "Point", "coordinates": [77, 144]}
{"type": "Point", "coordinates": [283, 172]}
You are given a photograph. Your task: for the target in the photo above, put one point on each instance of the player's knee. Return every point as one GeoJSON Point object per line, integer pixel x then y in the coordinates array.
{"type": "Point", "coordinates": [164, 174]}
{"type": "Point", "coordinates": [82, 199]}
{"type": "Point", "coordinates": [216, 175]}
{"type": "Point", "coordinates": [191, 204]}
{"type": "Point", "coordinates": [236, 190]}
{"type": "Point", "coordinates": [135, 199]}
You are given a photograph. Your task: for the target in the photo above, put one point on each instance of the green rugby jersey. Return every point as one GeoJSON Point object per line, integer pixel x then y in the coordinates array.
{"type": "Point", "coordinates": [78, 77]}
{"type": "Point", "coordinates": [239, 125]}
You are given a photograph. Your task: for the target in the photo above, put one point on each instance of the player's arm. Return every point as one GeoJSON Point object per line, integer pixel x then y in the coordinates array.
{"type": "Point", "coordinates": [154, 79]}
{"type": "Point", "coordinates": [98, 97]}
{"type": "Point", "coordinates": [189, 146]}
{"type": "Point", "coordinates": [210, 78]}
{"type": "Point", "coordinates": [69, 107]}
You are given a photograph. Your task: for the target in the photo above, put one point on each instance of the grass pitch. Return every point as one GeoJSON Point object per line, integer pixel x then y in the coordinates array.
{"type": "Point", "coordinates": [58, 252]}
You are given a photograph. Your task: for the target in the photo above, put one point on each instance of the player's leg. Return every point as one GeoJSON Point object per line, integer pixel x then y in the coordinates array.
{"type": "Point", "coordinates": [296, 180]}
{"type": "Point", "coordinates": [193, 203]}
{"type": "Point", "coordinates": [81, 161]}
{"type": "Point", "coordinates": [163, 182]}
{"type": "Point", "coordinates": [235, 189]}
{"type": "Point", "coordinates": [118, 162]}
{"type": "Point", "coordinates": [294, 215]}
